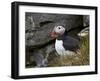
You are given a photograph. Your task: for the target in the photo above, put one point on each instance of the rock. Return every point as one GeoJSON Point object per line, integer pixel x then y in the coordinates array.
{"type": "Point", "coordinates": [38, 27]}
{"type": "Point", "coordinates": [86, 20]}
{"type": "Point", "coordinates": [37, 35]}
{"type": "Point", "coordinates": [84, 32]}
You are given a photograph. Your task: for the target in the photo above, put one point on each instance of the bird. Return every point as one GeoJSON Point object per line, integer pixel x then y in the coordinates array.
{"type": "Point", "coordinates": [84, 32]}
{"type": "Point", "coordinates": [64, 44]}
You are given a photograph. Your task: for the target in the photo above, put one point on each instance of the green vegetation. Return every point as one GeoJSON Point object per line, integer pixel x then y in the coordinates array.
{"type": "Point", "coordinates": [82, 58]}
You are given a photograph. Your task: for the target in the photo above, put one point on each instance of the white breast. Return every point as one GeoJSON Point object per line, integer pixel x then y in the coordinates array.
{"type": "Point", "coordinates": [60, 49]}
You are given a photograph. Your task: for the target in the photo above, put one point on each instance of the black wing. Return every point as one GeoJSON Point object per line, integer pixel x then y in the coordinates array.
{"type": "Point", "coordinates": [70, 43]}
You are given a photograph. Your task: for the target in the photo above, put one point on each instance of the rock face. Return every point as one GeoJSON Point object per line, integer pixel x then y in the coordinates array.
{"type": "Point", "coordinates": [86, 19]}
{"type": "Point", "coordinates": [38, 27]}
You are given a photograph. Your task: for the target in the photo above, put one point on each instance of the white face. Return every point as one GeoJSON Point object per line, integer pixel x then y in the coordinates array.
{"type": "Point", "coordinates": [59, 29]}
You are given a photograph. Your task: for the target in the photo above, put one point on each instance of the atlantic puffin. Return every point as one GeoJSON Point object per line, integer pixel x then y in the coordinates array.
{"type": "Point", "coordinates": [84, 32]}
{"type": "Point", "coordinates": [64, 44]}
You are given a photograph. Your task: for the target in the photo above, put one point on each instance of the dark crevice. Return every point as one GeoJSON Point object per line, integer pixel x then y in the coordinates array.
{"type": "Point", "coordinates": [45, 23]}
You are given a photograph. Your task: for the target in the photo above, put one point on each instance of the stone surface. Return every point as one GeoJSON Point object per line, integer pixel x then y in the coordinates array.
{"type": "Point", "coordinates": [86, 19]}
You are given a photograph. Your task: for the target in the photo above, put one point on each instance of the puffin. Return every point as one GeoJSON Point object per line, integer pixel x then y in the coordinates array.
{"type": "Point", "coordinates": [64, 44]}
{"type": "Point", "coordinates": [84, 32]}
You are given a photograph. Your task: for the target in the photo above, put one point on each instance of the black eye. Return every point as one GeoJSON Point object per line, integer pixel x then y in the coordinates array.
{"type": "Point", "coordinates": [59, 28]}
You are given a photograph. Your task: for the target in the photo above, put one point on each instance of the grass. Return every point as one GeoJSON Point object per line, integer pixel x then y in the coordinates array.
{"type": "Point", "coordinates": [74, 60]}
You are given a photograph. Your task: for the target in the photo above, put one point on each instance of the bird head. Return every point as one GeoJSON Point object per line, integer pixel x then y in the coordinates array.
{"type": "Point", "coordinates": [58, 30]}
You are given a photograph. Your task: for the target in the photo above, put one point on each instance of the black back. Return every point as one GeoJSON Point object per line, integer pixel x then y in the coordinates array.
{"type": "Point", "coordinates": [69, 43]}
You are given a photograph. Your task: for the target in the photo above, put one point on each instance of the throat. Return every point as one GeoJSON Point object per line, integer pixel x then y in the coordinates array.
{"type": "Point", "coordinates": [61, 37]}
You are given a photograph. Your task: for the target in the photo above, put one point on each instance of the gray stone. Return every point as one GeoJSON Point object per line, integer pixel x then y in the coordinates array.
{"type": "Point", "coordinates": [86, 20]}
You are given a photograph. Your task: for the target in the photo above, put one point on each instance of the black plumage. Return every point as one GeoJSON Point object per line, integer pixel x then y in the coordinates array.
{"type": "Point", "coordinates": [69, 43]}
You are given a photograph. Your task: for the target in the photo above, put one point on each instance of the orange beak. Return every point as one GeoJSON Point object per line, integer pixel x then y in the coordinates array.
{"type": "Point", "coordinates": [54, 34]}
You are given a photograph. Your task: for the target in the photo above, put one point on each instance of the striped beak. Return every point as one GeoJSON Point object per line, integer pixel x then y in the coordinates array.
{"type": "Point", "coordinates": [54, 34]}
